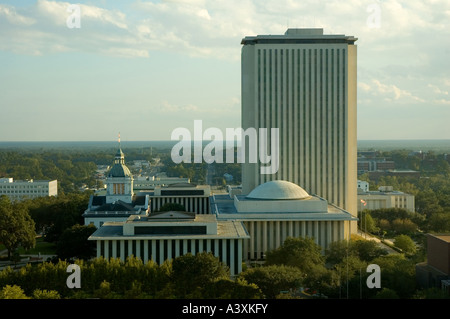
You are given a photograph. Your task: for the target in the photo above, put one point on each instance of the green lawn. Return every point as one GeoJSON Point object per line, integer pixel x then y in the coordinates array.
{"type": "Point", "coordinates": [41, 247]}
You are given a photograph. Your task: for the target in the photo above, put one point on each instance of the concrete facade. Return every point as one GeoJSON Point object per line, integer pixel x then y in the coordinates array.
{"type": "Point", "coordinates": [380, 199]}
{"type": "Point", "coordinates": [304, 83]}
{"type": "Point", "coordinates": [27, 189]}
{"type": "Point", "coordinates": [269, 221]}
{"type": "Point", "coordinates": [167, 235]}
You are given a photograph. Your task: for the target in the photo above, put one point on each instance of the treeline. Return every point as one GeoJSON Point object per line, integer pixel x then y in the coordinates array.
{"type": "Point", "coordinates": [297, 269]}
{"type": "Point", "coordinates": [203, 173]}
{"type": "Point", "coordinates": [431, 190]}
{"type": "Point", "coordinates": [188, 276]}
{"type": "Point", "coordinates": [72, 168]}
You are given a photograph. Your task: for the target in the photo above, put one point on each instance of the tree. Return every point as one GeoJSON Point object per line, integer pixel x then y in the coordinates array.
{"type": "Point", "coordinates": [12, 292]}
{"type": "Point", "coordinates": [386, 293]}
{"type": "Point", "coordinates": [45, 294]}
{"type": "Point", "coordinates": [299, 252]}
{"type": "Point", "coordinates": [365, 250]}
{"type": "Point", "coordinates": [16, 226]}
{"type": "Point", "coordinates": [403, 226]}
{"type": "Point", "coordinates": [274, 279]}
{"type": "Point", "coordinates": [191, 274]}
{"type": "Point", "coordinates": [397, 273]}
{"type": "Point", "coordinates": [439, 222]}
{"type": "Point", "coordinates": [74, 243]}
{"type": "Point", "coordinates": [405, 243]}
{"type": "Point", "coordinates": [367, 223]}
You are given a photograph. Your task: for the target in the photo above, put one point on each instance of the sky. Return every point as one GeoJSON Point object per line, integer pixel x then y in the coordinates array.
{"type": "Point", "coordinates": [87, 70]}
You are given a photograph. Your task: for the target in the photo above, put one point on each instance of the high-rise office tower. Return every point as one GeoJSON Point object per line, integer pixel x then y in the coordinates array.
{"type": "Point", "coordinates": [304, 84]}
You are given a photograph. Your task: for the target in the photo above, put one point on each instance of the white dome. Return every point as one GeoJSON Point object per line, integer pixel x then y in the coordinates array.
{"type": "Point", "coordinates": [278, 190]}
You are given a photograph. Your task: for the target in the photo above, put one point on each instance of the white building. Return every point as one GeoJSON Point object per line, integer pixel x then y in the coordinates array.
{"type": "Point", "coordinates": [385, 197]}
{"type": "Point", "coordinates": [167, 235]}
{"type": "Point", "coordinates": [276, 210]}
{"type": "Point", "coordinates": [27, 189]}
{"type": "Point", "coordinates": [304, 83]}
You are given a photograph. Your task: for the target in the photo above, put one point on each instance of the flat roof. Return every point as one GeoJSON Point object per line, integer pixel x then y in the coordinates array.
{"type": "Point", "coordinates": [444, 237]}
{"type": "Point", "coordinates": [223, 207]}
{"type": "Point", "coordinates": [299, 36]}
{"type": "Point", "coordinates": [226, 229]}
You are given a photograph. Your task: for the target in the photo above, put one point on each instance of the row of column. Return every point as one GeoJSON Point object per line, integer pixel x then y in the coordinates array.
{"type": "Point", "coordinates": [199, 205]}
{"type": "Point", "coordinates": [269, 235]}
{"type": "Point", "coordinates": [229, 251]}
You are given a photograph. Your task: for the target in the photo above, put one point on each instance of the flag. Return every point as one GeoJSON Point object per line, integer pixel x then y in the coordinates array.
{"type": "Point", "coordinates": [363, 202]}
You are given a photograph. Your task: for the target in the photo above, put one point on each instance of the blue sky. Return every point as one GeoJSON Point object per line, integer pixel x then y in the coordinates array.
{"type": "Point", "coordinates": [144, 68]}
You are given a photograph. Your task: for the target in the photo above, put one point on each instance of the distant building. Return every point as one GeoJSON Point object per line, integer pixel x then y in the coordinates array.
{"type": "Point", "coordinates": [435, 272]}
{"type": "Point", "coordinates": [385, 197]}
{"type": "Point", "coordinates": [17, 190]}
{"type": "Point", "coordinates": [278, 209]}
{"type": "Point", "coordinates": [167, 235]}
{"type": "Point", "coordinates": [376, 175]}
{"type": "Point", "coordinates": [374, 164]}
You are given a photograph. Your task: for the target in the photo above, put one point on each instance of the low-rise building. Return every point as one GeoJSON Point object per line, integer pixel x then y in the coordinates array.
{"type": "Point", "coordinates": [279, 209]}
{"type": "Point", "coordinates": [17, 190]}
{"type": "Point", "coordinates": [167, 235]}
{"type": "Point", "coordinates": [435, 272]}
{"type": "Point", "coordinates": [385, 197]}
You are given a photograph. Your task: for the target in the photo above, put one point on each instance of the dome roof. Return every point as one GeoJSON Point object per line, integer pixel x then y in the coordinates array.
{"type": "Point", "coordinates": [119, 170]}
{"type": "Point", "coordinates": [278, 190]}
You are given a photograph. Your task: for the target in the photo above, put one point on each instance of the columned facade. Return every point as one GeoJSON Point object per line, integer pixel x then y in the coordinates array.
{"type": "Point", "coordinates": [266, 235]}
{"type": "Point", "coordinates": [200, 205]}
{"type": "Point", "coordinates": [168, 235]}
{"type": "Point", "coordinates": [229, 251]}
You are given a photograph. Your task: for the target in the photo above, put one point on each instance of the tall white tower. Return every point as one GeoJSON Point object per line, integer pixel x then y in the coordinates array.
{"type": "Point", "coordinates": [304, 83]}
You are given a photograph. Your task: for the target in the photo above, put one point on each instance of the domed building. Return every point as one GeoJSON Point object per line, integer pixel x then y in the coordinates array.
{"type": "Point", "coordinates": [120, 202]}
{"type": "Point", "coordinates": [278, 209]}
{"type": "Point", "coordinates": [119, 180]}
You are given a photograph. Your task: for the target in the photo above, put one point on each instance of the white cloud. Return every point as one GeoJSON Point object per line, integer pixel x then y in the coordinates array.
{"type": "Point", "coordinates": [167, 107]}
{"type": "Point", "coordinates": [442, 101]}
{"type": "Point", "coordinates": [10, 14]}
{"type": "Point", "coordinates": [389, 92]}
{"type": "Point", "coordinates": [437, 90]}
{"type": "Point", "coordinates": [215, 28]}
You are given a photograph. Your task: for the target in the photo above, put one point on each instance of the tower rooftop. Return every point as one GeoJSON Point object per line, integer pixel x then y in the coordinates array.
{"type": "Point", "coordinates": [299, 35]}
